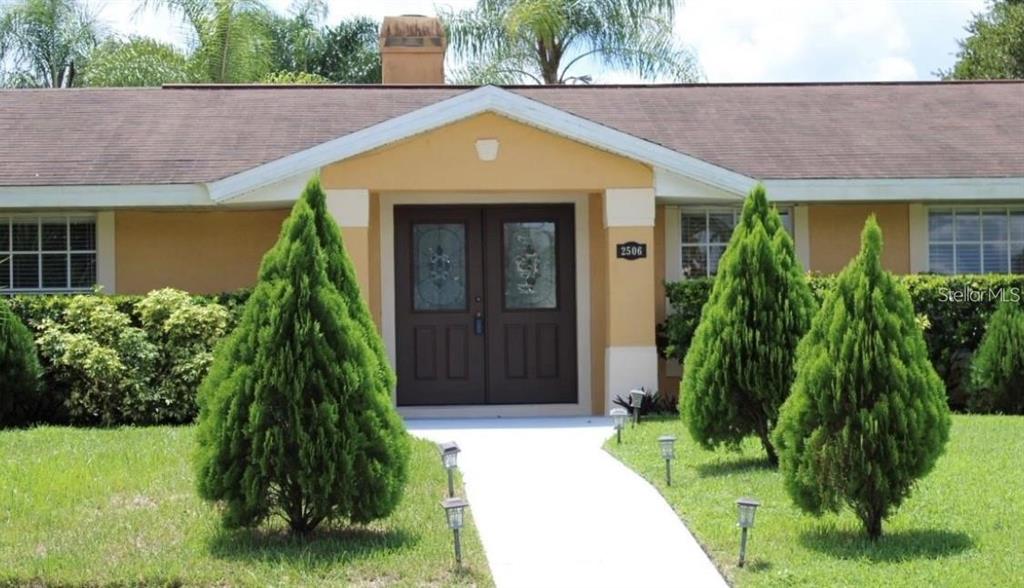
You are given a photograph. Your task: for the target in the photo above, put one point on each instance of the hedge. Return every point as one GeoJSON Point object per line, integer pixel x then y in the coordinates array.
{"type": "Point", "coordinates": [123, 359]}
{"type": "Point", "coordinates": [952, 309]}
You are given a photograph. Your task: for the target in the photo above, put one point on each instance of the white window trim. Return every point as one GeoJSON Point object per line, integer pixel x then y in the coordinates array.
{"type": "Point", "coordinates": [980, 209]}
{"type": "Point", "coordinates": [39, 252]}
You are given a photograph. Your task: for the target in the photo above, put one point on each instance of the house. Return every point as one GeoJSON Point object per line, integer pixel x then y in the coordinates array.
{"type": "Point", "coordinates": [511, 242]}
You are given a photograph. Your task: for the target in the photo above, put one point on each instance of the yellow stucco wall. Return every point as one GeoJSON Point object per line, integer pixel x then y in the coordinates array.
{"type": "Point", "coordinates": [835, 234]}
{"type": "Point", "coordinates": [631, 290]}
{"type": "Point", "coordinates": [446, 159]}
{"type": "Point", "coordinates": [201, 252]}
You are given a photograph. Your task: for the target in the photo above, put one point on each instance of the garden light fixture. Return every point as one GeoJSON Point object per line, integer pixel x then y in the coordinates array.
{"type": "Point", "coordinates": [450, 459]}
{"type": "Point", "coordinates": [619, 414]}
{"type": "Point", "coordinates": [668, 453]}
{"type": "Point", "coordinates": [747, 508]}
{"type": "Point", "coordinates": [454, 509]}
{"type": "Point", "coordinates": [636, 400]}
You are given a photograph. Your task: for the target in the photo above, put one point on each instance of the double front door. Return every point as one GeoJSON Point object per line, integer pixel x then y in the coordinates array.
{"type": "Point", "coordinates": [485, 305]}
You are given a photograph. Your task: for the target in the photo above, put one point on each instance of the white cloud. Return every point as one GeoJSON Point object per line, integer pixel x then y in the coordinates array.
{"type": "Point", "coordinates": [816, 40]}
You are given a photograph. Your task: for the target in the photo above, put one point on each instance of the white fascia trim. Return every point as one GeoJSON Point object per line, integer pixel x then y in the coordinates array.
{"type": "Point", "coordinates": [480, 100]}
{"type": "Point", "coordinates": [69, 197]}
{"type": "Point", "coordinates": [896, 189]}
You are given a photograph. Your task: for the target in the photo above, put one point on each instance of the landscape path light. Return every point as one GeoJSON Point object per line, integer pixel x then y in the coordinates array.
{"type": "Point", "coordinates": [450, 459]}
{"type": "Point", "coordinates": [636, 400]}
{"type": "Point", "coordinates": [619, 415]}
{"type": "Point", "coordinates": [747, 507]}
{"type": "Point", "coordinates": [454, 510]}
{"type": "Point", "coordinates": [668, 453]}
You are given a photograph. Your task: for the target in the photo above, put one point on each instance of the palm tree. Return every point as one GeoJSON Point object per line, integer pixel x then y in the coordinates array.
{"type": "Point", "coordinates": [514, 41]}
{"type": "Point", "coordinates": [231, 39]}
{"type": "Point", "coordinates": [43, 41]}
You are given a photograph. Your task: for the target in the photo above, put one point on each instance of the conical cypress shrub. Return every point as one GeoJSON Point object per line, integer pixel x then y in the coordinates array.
{"type": "Point", "coordinates": [341, 273]}
{"type": "Point", "coordinates": [294, 419]}
{"type": "Point", "coordinates": [867, 415]}
{"type": "Point", "coordinates": [19, 369]}
{"type": "Point", "coordinates": [739, 368]}
{"type": "Point", "coordinates": [997, 372]}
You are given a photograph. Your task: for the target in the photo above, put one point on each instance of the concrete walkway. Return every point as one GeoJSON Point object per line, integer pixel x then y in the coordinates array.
{"type": "Point", "coordinates": [554, 510]}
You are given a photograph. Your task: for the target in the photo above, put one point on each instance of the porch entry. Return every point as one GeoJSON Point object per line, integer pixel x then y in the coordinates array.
{"type": "Point", "coordinates": [485, 305]}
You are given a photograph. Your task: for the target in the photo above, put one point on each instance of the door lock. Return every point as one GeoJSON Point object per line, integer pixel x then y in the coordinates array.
{"type": "Point", "coordinates": [478, 323]}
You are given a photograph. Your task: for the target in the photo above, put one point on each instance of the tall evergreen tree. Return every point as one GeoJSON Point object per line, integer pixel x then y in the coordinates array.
{"type": "Point", "coordinates": [19, 369]}
{"type": "Point", "coordinates": [867, 415]}
{"type": "Point", "coordinates": [739, 367]}
{"type": "Point", "coordinates": [997, 372]}
{"type": "Point", "coordinates": [294, 419]}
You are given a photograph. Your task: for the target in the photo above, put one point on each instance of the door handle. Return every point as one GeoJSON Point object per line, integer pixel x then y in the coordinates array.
{"type": "Point", "coordinates": [478, 324]}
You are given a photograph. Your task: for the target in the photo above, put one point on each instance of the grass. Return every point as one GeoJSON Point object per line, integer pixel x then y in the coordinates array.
{"type": "Point", "coordinates": [118, 506]}
{"type": "Point", "coordinates": [963, 525]}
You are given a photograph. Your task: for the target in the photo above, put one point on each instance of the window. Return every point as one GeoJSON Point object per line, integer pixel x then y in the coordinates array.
{"type": "Point", "coordinates": [976, 240]}
{"type": "Point", "coordinates": [705, 234]}
{"type": "Point", "coordinates": [53, 253]}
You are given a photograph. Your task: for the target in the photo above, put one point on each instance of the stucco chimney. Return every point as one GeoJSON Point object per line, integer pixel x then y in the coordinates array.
{"type": "Point", "coordinates": [412, 50]}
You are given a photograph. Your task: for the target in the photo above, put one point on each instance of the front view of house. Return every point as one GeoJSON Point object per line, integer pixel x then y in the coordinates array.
{"type": "Point", "coordinates": [512, 243]}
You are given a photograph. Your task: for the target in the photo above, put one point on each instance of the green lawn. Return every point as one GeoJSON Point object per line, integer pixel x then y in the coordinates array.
{"type": "Point", "coordinates": [963, 525]}
{"type": "Point", "coordinates": [87, 506]}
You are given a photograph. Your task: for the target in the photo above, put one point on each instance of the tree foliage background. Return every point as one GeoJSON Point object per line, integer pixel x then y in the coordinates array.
{"type": "Point", "coordinates": [62, 43]}
{"type": "Point", "coordinates": [545, 41]}
{"type": "Point", "coordinates": [994, 47]}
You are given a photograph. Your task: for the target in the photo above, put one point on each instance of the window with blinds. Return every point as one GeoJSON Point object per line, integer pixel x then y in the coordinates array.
{"type": "Point", "coordinates": [52, 253]}
{"type": "Point", "coordinates": [705, 234]}
{"type": "Point", "coordinates": [976, 240]}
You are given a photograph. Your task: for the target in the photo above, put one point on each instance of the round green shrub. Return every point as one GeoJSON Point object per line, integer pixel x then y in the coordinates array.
{"type": "Point", "coordinates": [296, 418]}
{"type": "Point", "coordinates": [739, 367]}
{"type": "Point", "coordinates": [997, 372]}
{"type": "Point", "coordinates": [867, 415]}
{"type": "Point", "coordinates": [19, 369]}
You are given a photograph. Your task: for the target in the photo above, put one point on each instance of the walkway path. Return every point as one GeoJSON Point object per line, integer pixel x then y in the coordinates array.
{"type": "Point", "coordinates": [555, 510]}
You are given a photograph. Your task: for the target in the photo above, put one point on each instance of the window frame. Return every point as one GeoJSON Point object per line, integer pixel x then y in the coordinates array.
{"type": "Point", "coordinates": [707, 211]}
{"type": "Point", "coordinates": [979, 210]}
{"type": "Point", "coordinates": [7, 222]}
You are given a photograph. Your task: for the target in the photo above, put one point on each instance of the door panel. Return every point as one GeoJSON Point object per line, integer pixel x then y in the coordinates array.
{"type": "Point", "coordinates": [531, 301]}
{"type": "Point", "coordinates": [439, 289]}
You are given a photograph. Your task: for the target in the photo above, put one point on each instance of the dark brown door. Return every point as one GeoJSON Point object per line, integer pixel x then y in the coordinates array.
{"type": "Point", "coordinates": [439, 293]}
{"type": "Point", "coordinates": [486, 305]}
{"type": "Point", "coordinates": [531, 305]}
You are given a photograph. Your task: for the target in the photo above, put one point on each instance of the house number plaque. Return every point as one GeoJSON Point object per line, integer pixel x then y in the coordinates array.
{"type": "Point", "coordinates": [631, 250]}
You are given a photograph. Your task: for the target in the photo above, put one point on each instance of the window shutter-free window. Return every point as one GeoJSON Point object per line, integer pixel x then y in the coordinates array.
{"type": "Point", "coordinates": [47, 253]}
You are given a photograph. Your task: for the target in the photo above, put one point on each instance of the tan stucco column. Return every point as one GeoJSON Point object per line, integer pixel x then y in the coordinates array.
{"type": "Point", "coordinates": [631, 355]}
{"type": "Point", "coordinates": [351, 210]}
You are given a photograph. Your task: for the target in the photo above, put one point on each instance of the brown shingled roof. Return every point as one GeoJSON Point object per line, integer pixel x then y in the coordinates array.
{"type": "Point", "coordinates": [186, 135]}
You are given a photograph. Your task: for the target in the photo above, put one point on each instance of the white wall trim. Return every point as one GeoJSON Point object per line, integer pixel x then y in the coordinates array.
{"type": "Point", "coordinates": [388, 201]}
{"type": "Point", "coordinates": [629, 207]}
{"type": "Point", "coordinates": [918, 238]}
{"type": "Point", "coordinates": [628, 367]}
{"type": "Point", "coordinates": [468, 104]}
{"type": "Point", "coordinates": [350, 207]}
{"type": "Point", "coordinates": [895, 189]}
{"type": "Point", "coordinates": [106, 251]}
{"type": "Point", "coordinates": [673, 245]}
{"type": "Point", "coordinates": [66, 197]}
{"type": "Point", "coordinates": [802, 234]}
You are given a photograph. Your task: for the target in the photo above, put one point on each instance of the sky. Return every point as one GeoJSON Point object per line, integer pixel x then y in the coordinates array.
{"type": "Point", "coordinates": [735, 40]}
